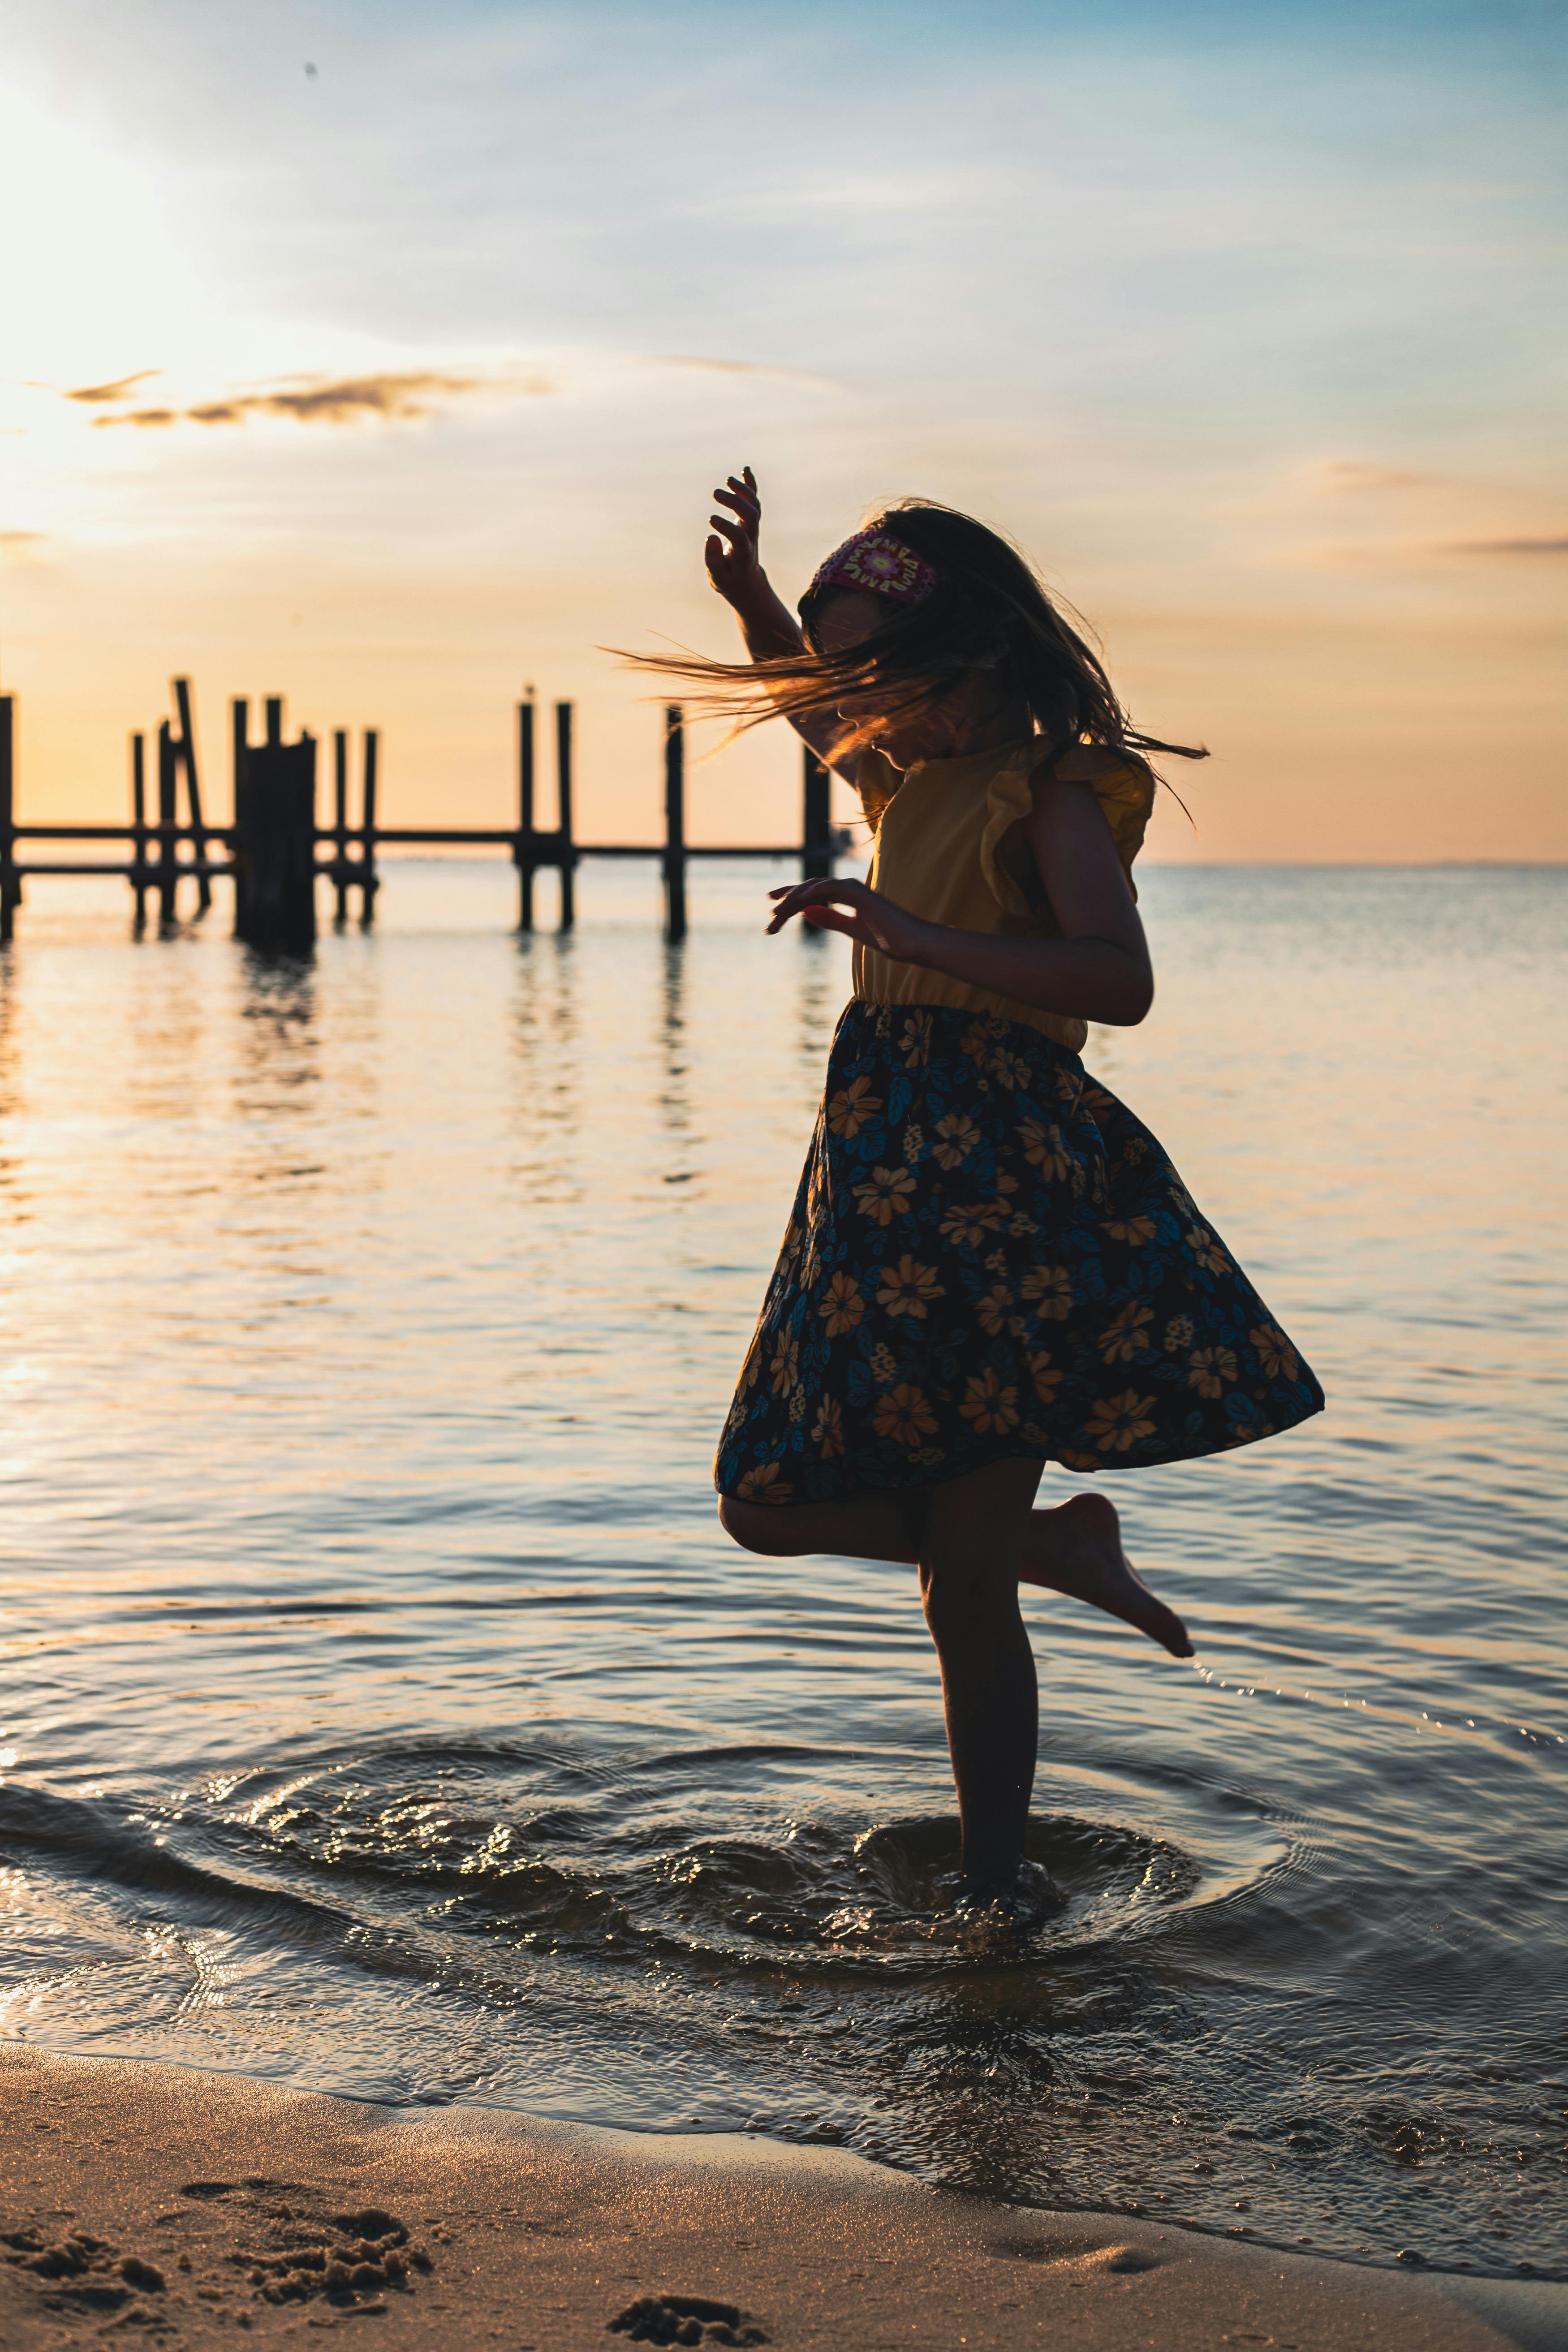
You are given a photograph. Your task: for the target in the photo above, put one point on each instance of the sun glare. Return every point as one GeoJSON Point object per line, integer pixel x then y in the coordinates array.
{"type": "Point", "coordinates": [97, 283]}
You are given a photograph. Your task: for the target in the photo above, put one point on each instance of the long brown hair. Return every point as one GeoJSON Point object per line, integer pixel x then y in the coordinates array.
{"type": "Point", "coordinates": [988, 611]}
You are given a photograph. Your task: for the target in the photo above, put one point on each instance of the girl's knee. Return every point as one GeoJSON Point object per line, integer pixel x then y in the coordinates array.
{"type": "Point", "coordinates": [967, 1600]}
{"type": "Point", "coordinates": [754, 1526]}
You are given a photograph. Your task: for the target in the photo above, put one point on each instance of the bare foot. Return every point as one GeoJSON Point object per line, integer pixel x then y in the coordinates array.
{"type": "Point", "coordinates": [1077, 1550]}
{"type": "Point", "coordinates": [1020, 1903]}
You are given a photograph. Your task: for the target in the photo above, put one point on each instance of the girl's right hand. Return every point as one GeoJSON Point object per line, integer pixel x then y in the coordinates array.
{"type": "Point", "coordinates": [862, 914]}
{"type": "Point", "coordinates": [731, 552]}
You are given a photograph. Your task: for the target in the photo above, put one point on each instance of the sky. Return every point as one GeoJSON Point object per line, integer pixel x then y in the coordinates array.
{"type": "Point", "coordinates": [384, 355]}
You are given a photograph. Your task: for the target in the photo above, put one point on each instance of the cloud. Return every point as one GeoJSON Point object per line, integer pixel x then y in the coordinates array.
{"type": "Point", "coordinates": [719, 367]}
{"type": "Point", "coordinates": [390, 396]}
{"type": "Point", "coordinates": [1408, 555]}
{"type": "Point", "coordinates": [20, 542]}
{"type": "Point", "coordinates": [95, 394]}
{"type": "Point", "coordinates": [1505, 547]}
{"type": "Point", "coordinates": [701, 363]}
{"type": "Point", "coordinates": [1456, 501]}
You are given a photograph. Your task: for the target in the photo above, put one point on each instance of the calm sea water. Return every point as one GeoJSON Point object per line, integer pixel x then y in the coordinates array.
{"type": "Point", "coordinates": [385, 1711]}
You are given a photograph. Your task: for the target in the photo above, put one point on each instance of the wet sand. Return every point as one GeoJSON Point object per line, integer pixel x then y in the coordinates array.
{"type": "Point", "coordinates": [155, 2204]}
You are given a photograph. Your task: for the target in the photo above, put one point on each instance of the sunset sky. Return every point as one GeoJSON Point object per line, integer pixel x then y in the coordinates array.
{"type": "Point", "coordinates": [386, 355]}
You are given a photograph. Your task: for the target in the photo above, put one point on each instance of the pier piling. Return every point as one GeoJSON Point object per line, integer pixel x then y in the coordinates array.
{"type": "Point", "coordinates": [138, 827]}
{"type": "Point", "coordinates": [168, 817]}
{"type": "Point", "coordinates": [522, 847]}
{"type": "Point", "coordinates": [10, 880]}
{"type": "Point", "coordinates": [816, 825]}
{"type": "Point", "coordinates": [368, 878]}
{"type": "Point", "coordinates": [674, 824]}
{"type": "Point", "coordinates": [567, 853]}
{"type": "Point", "coordinates": [186, 748]}
{"type": "Point", "coordinates": [275, 836]}
{"type": "Point", "coordinates": [340, 827]}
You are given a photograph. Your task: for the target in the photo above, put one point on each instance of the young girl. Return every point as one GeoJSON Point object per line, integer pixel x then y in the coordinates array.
{"type": "Point", "coordinates": [991, 1264]}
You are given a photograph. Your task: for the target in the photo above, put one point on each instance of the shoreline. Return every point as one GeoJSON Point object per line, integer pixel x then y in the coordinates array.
{"type": "Point", "coordinates": [177, 2207]}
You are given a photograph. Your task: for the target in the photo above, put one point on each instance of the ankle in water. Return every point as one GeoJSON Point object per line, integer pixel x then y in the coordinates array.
{"type": "Point", "coordinates": [1022, 1901]}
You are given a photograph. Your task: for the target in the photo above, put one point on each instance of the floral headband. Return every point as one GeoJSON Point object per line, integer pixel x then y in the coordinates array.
{"type": "Point", "coordinates": [876, 561]}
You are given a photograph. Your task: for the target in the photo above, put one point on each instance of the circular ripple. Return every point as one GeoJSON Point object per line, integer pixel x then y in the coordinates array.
{"type": "Point", "coordinates": [532, 1847]}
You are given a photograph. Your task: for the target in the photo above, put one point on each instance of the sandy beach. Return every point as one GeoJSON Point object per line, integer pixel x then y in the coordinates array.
{"type": "Point", "coordinates": [185, 2206]}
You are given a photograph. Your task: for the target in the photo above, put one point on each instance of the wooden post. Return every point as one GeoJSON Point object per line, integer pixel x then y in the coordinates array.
{"type": "Point", "coordinates": [139, 826]}
{"type": "Point", "coordinates": [239, 757]}
{"type": "Point", "coordinates": [275, 845]}
{"type": "Point", "coordinates": [239, 741]}
{"type": "Point", "coordinates": [10, 880]}
{"type": "Point", "coordinates": [340, 825]}
{"type": "Point", "coordinates": [564, 796]}
{"type": "Point", "coordinates": [523, 849]}
{"type": "Point", "coordinates": [674, 824]}
{"type": "Point", "coordinates": [816, 830]}
{"type": "Point", "coordinates": [168, 816]}
{"type": "Point", "coordinates": [369, 880]}
{"type": "Point", "coordinates": [187, 748]}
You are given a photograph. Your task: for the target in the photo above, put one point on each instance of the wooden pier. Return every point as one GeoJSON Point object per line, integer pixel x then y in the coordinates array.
{"type": "Point", "coordinates": [274, 852]}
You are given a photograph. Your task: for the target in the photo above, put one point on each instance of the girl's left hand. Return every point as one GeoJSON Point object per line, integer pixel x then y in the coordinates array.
{"type": "Point", "coordinates": [862, 915]}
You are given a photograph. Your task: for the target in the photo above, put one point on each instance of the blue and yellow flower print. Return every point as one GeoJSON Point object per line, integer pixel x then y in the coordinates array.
{"type": "Point", "coordinates": [989, 1256]}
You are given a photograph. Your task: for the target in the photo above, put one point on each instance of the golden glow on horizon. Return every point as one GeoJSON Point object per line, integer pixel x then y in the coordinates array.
{"type": "Point", "coordinates": [400, 529]}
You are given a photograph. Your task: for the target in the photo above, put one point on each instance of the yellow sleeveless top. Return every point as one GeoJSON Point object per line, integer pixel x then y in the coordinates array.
{"type": "Point", "coordinates": [938, 830]}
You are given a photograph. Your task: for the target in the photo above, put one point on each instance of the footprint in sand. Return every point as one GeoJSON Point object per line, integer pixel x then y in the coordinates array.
{"type": "Point", "coordinates": [81, 2276]}
{"type": "Point", "coordinates": [684, 2319]}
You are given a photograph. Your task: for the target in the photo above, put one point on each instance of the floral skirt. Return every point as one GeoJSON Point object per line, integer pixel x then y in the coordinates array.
{"type": "Point", "coordinates": [991, 1257]}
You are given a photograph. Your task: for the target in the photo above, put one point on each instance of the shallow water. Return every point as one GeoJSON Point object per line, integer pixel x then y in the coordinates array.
{"type": "Point", "coordinates": [383, 1710]}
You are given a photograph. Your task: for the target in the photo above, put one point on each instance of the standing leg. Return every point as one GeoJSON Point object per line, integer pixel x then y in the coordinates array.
{"type": "Point", "coordinates": [967, 1537]}
{"type": "Point", "coordinates": [968, 1547]}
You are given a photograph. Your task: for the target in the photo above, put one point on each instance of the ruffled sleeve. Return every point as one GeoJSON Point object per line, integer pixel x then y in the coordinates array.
{"type": "Point", "coordinates": [1009, 798]}
{"type": "Point", "coordinates": [876, 780]}
{"type": "Point", "coordinates": [1123, 787]}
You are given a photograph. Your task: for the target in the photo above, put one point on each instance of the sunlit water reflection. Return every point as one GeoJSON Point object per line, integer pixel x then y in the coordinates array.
{"type": "Point", "coordinates": [385, 1710]}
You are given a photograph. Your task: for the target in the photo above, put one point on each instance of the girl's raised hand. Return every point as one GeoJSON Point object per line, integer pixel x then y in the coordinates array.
{"type": "Point", "coordinates": [733, 565]}
{"type": "Point", "coordinates": [862, 915]}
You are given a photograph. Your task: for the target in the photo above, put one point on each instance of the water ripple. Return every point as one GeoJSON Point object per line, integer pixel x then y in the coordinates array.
{"type": "Point", "coordinates": [382, 1710]}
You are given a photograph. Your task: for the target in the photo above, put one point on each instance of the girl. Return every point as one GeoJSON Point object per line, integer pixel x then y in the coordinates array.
{"type": "Point", "coordinates": [991, 1264]}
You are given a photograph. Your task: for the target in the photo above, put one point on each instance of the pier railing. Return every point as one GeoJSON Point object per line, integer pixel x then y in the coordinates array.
{"type": "Point", "coordinates": [274, 852]}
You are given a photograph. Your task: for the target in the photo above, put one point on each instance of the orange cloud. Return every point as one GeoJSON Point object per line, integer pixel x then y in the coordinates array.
{"type": "Point", "coordinates": [343, 400]}
{"type": "Point", "coordinates": [717, 367]}
{"type": "Point", "coordinates": [1419, 554]}
{"type": "Point", "coordinates": [1505, 547]}
{"type": "Point", "coordinates": [94, 394]}
{"type": "Point", "coordinates": [701, 363]}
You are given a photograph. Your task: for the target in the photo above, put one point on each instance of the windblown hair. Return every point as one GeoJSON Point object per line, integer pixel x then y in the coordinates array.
{"type": "Point", "coordinates": [988, 611]}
